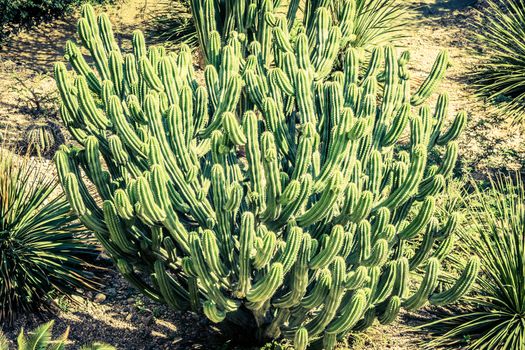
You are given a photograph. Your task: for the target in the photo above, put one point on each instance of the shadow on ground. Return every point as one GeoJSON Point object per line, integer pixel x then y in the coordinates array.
{"type": "Point", "coordinates": [438, 8]}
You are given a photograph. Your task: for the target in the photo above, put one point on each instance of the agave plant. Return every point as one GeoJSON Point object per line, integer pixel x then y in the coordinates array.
{"type": "Point", "coordinates": [502, 77]}
{"type": "Point", "coordinates": [495, 315]}
{"type": "Point", "coordinates": [39, 254]}
{"type": "Point", "coordinates": [41, 339]}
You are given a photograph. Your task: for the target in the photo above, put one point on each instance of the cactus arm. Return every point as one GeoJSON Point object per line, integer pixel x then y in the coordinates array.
{"type": "Point", "coordinates": [391, 310]}
{"type": "Point", "coordinates": [127, 271]}
{"type": "Point", "coordinates": [413, 178]}
{"type": "Point", "coordinates": [462, 285]}
{"type": "Point", "coordinates": [299, 284]}
{"type": "Point", "coordinates": [328, 253]}
{"type": "Point", "coordinates": [116, 229]}
{"type": "Point", "coordinates": [246, 242]}
{"type": "Point", "coordinates": [351, 313]}
{"type": "Point", "coordinates": [301, 335]}
{"type": "Point", "coordinates": [356, 279]}
{"type": "Point", "coordinates": [429, 282]}
{"type": "Point", "coordinates": [333, 300]}
{"type": "Point", "coordinates": [322, 207]}
{"type": "Point", "coordinates": [436, 75]}
{"type": "Point", "coordinates": [265, 288]}
{"type": "Point", "coordinates": [173, 294]}
{"type": "Point", "coordinates": [213, 313]}
{"type": "Point", "coordinates": [420, 221]}
{"type": "Point", "coordinates": [458, 125]}
{"type": "Point", "coordinates": [319, 292]}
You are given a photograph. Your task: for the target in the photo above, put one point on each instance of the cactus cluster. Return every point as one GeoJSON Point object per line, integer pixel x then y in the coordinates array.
{"type": "Point", "coordinates": [278, 195]}
{"type": "Point", "coordinates": [361, 23]}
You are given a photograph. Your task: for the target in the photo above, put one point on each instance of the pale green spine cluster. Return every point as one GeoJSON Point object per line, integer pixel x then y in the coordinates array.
{"type": "Point", "coordinates": [277, 195]}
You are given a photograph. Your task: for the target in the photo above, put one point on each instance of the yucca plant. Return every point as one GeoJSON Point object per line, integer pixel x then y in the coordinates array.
{"type": "Point", "coordinates": [378, 22]}
{"type": "Point", "coordinates": [502, 77]}
{"type": "Point", "coordinates": [494, 317]}
{"type": "Point", "coordinates": [173, 24]}
{"type": "Point", "coordinates": [41, 339]}
{"type": "Point", "coordinates": [39, 254]}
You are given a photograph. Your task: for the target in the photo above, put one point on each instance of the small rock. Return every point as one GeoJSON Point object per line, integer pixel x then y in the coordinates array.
{"type": "Point", "coordinates": [104, 257]}
{"type": "Point", "coordinates": [129, 317]}
{"type": "Point", "coordinates": [99, 298]}
{"type": "Point", "coordinates": [148, 320]}
{"type": "Point", "coordinates": [131, 301]}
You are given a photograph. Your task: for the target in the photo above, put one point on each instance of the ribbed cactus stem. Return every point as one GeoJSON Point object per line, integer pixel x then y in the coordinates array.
{"type": "Point", "coordinates": [461, 286]}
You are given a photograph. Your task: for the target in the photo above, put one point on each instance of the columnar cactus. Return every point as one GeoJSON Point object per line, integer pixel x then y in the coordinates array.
{"type": "Point", "coordinates": [360, 23]}
{"type": "Point", "coordinates": [278, 197]}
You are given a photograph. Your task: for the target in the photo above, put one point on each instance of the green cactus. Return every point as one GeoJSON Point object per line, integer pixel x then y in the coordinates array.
{"type": "Point", "coordinates": [276, 196]}
{"type": "Point", "coordinates": [332, 25]}
{"type": "Point", "coordinates": [42, 139]}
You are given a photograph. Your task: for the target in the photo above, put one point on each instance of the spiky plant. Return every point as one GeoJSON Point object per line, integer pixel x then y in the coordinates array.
{"type": "Point", "coordinates": [39, 254]}
{"type": "Point", "coordinates": [41, 339]}
{"type": "Point", "coordinates": [378, 22]}
{"type": "Point", "coordinates": [173, 24]}
{"type": "Point", "coordinates": [40, 139]}
{"type": "Point", "coordinates": [495, 315]}
{"type": "Point", "coordinates": [502, 77]}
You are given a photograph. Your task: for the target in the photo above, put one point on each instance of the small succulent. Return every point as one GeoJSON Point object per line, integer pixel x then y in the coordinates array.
{"type": "Point", "coordinates": [40, 139]}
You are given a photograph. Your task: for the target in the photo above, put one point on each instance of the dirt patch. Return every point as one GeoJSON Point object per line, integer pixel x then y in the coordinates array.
{"type": "Point", "coordinates": [118, 315]}
{"type": "Point", "coordinates": [28, 93]}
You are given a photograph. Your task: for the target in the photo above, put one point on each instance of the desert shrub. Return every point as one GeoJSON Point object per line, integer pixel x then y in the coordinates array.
{"type": "Point", "coordinates": [501, 78]}
{"type": "Point", "coordinates": [363, 23]}
{"type": "Point", "coordinates": [16, 13]}
{"type": "Point", "coordinates": [277, 197]}
{"type": "Point", "coordinates": [39, 255]}
{"type": "Point", "coordinates": [41, 339]}
{"type": "Point", "coordinates": [493, 317]}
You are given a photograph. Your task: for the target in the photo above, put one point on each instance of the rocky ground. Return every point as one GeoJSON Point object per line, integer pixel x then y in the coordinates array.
{"type": "Point", "coordinates": [115, 313]}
